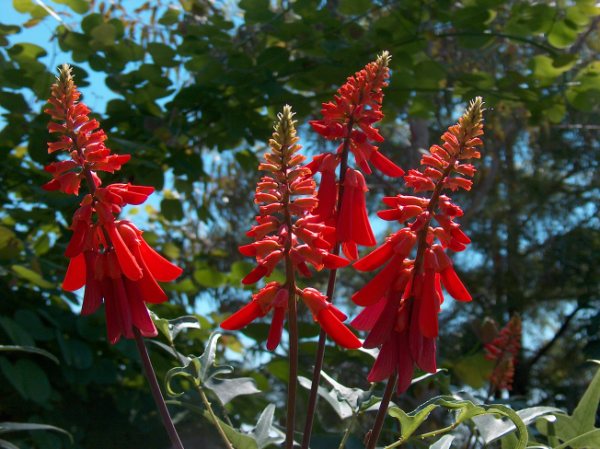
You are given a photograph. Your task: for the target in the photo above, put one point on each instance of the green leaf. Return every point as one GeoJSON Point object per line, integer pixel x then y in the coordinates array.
{"type": "Point", "coordinates": [247, 159]}
{"type": "Point", "coordinates": [209, 277]}
{"type": "Point", "coordinates": [256, 10]}
{"type": "Point", "coordinates": [410, 422]}
{"type": "Point", "coordinates": [563, 34]}
{"type": "Point", "coordinates": [13, 102]}
{"type": "Point", "coordinates": [171, 328]}
{"type": "Point", "coordinates": [162, 54]}
{"type": "Point", "coordinates": [41, 245]}
{"type": "Point", "coordinates": [16, 332]}
{"type": "Point", "coordinates": [25, 52]}
{"type": "Point", "coordinates": [29, 349]}
{"type": "Point", "coordinates": [239, 270]}
{"type": "Point", "coordinates": [204, 372]}
{"type": "Point", "coordinates": [584, 415]}
{"type": "Point", "coordinates": [29, 7]}
{"type": "Point", "coordinates": [77, 354]}
{"type": "Point", "coordinates": [172, 209]}
{"type": "Point", "coordinates": [31, 276]}
{"type": "Point", "coordinates": [546, 67]}
{"type": "Point", "coordinates": [28, 379]}
{"type": "Point", "coordinates": [474, 369]}
{"type": "Point", "coordinates": [78, 6]}
{"type": "Point", "coordinates": [6, 427]}
{"type": "Point", "coordinates": [170, 17]}
{"type": "Point", "coordinates": [465, 410]}
{"type": "Point", "coordinates": [103, 35]}
{"type": "Point", "coordinates": [10, 245]}
{"type": "Point", "coordinates": [584, 93]}
{"type": "Point", "coordinates": [237, 439]}
{"type": "Point", "coordinates": [354, 7]}
{"type": "Point", "coordinates": [586, 440]}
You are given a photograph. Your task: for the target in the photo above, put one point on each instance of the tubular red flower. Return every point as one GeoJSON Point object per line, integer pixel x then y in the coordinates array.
{"type": "Point", "coordinates": [109, 257]}
{"type": "Point", "coordinates": [403, 300]}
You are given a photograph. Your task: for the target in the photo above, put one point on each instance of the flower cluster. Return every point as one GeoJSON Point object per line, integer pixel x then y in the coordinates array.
{"type": "Point", "coordinates": [403, 300]}
{"type": "Point", "coordinates": [286, 229]}
{"type": "Point", "coordinates": [349, 119]}
{"type": "Point", "coordinates": [108, 256]}
{"type": "Point", "coordinates": [504, 350]}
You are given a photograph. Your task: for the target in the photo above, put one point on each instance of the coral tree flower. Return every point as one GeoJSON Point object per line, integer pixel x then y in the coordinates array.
{"type": "Point", "coordinates": [287, 229]}
{"type": "Point", "coordinates": [403, 300]}
{"type": "Point", "coordinates": [504, 350]}
{"type": "Point", "coordinates": [349, 118]}
{"type": "Point", "coordinates": [108, 256]}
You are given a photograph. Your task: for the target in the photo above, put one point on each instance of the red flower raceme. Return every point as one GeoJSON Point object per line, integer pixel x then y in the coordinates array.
{"type": "Point", "coordinates": [108, 256]}
{"type": "Point", "coordinates": [504, 350]}
{"type": "Point", "coordinates": [403, 300]}
{"type": "Point", "coordinates": [287, 230]}
{"type": "Point", "coordinates": [349, 118]}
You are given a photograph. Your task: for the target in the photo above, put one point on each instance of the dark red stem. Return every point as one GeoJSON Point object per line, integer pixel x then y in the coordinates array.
{"type": "Point", "coordinates": [373, 435]}
{"type": "Point", "coordinates": [156, 393]}
{"type": "Point", "coordinates": [316, 377]}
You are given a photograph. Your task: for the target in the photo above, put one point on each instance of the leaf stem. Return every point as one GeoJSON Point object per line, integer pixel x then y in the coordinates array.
{"type": "Point", "coordinates": [155, 389]}
{"type": "Point", "coordinates": [374, 433]}
{"type": "Point", "coordinates": [213, 417]}
{"type": "Point", "coordinates": [348, 430]}
{"type": "Point", "coordinates": [316, 377]}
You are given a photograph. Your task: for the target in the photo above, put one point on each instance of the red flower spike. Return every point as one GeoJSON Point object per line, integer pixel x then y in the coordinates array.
{"type": "Point", "coordinates": [403, 300]}
{"type": "Point", "coordinates": [349, 119]}
{"type": "Point", "coordinates": [289, 229]}
{"type": "Point", "coordinates": [504, 350]}
{"type": "Point", "coordinates": [109, 257]}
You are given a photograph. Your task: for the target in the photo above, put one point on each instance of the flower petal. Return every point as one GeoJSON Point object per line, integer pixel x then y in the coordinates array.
{"type": "Point", "coordinates": [276, 328]}
{"type": "Point", "coordinates": [76, 273]}
{"type": "Point", "coordinates": [243, 317]}
{"type": "Point", "coordinates": [337, 330]}
{"type": "Point", "coordinates": [159, 267]}
{"type": "Point", "coordinates": [454, 286]}
{"type": "Point", "coordinates": [386, 363]}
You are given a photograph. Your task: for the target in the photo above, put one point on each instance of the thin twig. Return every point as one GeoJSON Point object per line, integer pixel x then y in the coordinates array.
{"type": "Point", "coordinates": [213, 417]}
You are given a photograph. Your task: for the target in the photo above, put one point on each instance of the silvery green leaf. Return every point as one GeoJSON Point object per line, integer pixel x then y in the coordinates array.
{"type": "Point", "coordinates": [227, 389]}
{"type": "Point", "coordinates": [443, 443]}
{"type": "Point", "coordinates": [491, 428]}
{"type": "Point", "coordinates": [341, 407]}
{"type": "Point", "coordinates": [265, 433]}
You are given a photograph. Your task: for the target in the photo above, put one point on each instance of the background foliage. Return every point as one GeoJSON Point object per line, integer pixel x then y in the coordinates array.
{"type": "Point", "coordinates": [190, 88]}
